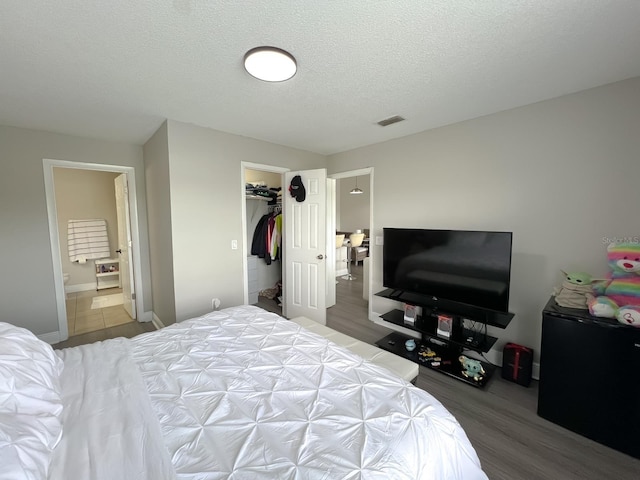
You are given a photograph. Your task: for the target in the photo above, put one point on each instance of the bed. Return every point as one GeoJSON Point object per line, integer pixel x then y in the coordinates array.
{"type": "Point", "coordinates": [236, 394]}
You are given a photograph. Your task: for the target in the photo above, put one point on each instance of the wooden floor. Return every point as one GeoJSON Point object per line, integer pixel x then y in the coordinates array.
{"type": "Point", "coordinates": [512, 441]}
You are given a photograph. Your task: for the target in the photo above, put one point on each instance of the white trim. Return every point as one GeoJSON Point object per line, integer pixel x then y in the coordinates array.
{"type": "Point", "coordinates": [54, 238]}
{"type": "Point", "coordinates": [51, 337]}
{"type": "Point", "coordinates": [146, 317]}
{"type": "Point", "coordinates": [245, 248]}
{"type": "Point", "coordinates": [156, 321]}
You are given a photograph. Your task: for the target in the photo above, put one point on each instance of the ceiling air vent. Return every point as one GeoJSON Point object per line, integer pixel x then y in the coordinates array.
{"type": "Point", "coordinates": [390, 120]}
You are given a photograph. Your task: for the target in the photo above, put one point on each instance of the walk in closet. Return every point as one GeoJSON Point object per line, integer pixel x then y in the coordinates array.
{"type": "Point", "coordinates": [263, 191]}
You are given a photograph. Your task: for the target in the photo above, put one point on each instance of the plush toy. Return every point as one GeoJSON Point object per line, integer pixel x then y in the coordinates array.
{"type": "Point", "coordinates": [472, 368]}
{"type": "Point", "coordinates": [574, 290]}
{"type": "Point", "coordinates": [619, 295]}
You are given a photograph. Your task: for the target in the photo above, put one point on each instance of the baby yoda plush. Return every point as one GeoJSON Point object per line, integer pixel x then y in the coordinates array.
{"type": "Point", "coordinates": [574, 290]}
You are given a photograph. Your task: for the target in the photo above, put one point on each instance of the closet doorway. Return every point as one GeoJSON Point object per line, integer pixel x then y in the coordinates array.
{"type": "Point", "coordinates": [262, 190]}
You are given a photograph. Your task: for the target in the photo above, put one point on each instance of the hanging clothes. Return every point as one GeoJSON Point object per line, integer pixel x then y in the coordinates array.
{"type": "Point", "coordinates": [276, 237]}
{"type": "Point", "coordinates": [259, 242]}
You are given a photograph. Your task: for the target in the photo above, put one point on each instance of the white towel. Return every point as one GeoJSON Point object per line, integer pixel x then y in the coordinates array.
{"type": "Point", "coordinates": [87, 239]}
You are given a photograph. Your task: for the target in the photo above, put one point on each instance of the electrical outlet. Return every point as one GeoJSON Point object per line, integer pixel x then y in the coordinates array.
{"type": "Point", "coordinates": [215, 303]}
{"type": "Point", "coordinates": [234, 244]}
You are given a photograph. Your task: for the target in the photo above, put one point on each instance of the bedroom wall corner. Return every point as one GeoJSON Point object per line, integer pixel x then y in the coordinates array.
{"type": "Point", "coordinates": [158, 181]}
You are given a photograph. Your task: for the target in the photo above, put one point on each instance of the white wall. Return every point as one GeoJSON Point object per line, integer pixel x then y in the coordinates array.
{"type": "Point", "coordinates": [156, 164]}
{"type": "Point", "coordinates": [206, 210]}
{"type": "Point", "coordinates": [561, 174]}
{"type": "Point", "coordinates": [84, 194]}
{"type": "Point", "coordinates": [27, 297]}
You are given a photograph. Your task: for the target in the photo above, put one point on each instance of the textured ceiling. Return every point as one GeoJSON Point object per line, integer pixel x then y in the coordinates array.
{"type": "Point", "coordinates": [116, 69]}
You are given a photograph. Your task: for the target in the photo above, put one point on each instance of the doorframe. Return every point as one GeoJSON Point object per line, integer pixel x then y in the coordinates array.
{"type": "Point", "coordinates": [54, 234]}
{"type": "Point", "coordinates": [245, 250]}
{"type": "Point", "coordinates": [372, 246]}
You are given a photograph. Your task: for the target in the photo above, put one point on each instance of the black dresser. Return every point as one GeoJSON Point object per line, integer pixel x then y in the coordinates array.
{"type": "Point", "coordinates": [590, 377]}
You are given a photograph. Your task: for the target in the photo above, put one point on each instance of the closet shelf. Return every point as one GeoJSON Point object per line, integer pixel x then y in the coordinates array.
{"type": "Point", "coordinates": [257, 197]}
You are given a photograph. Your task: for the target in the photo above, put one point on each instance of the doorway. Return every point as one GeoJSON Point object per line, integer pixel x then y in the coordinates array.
{"type": "Point", "coordinates": [262, 190]}
{"type": "Point", "coordinates": [353, 213]}
{"type": "Point", "coordinates": [89, 274]}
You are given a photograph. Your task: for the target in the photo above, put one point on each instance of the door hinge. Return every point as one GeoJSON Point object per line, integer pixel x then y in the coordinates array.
{"type": "Point", "coordinates": [133, 296]}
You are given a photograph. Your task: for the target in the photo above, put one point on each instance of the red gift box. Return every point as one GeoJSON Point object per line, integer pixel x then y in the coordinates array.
{"type": "Point", "coordinates": [517, 363]}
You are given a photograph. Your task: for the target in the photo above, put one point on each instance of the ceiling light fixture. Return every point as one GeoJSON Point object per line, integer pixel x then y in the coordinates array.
{"type": "Point", "coordinates": [356, 191]}
{"type": "Point", "coordinates": [270, 64]}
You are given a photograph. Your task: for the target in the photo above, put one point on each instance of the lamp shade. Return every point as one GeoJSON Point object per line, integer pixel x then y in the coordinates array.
{"type": "Point", "coordinates": [356, 190]}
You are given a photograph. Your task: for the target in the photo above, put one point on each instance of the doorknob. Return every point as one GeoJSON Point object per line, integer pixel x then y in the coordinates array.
{"type": "Point", "coordinates": [119, 250]}
{"type": "Point", "coordinates": [320, 257]}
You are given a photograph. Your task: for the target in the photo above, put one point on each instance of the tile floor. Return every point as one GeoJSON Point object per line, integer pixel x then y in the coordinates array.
{"type": "Point", "coordinates": [82, 319]}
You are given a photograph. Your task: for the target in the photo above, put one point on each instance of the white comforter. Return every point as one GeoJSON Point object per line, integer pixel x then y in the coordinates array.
{"type": "Point", "coordinates": [245, 394]}
{"type": "Point", "coordinates": [109, 428]}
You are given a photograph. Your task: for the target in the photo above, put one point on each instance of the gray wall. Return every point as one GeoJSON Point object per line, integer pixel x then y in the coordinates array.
{"type": "Point", "coordinates": [352, 210]}
{"type": "Point", "coordinates": [207, 195]}
{"type": "Point", "coordinates": [157, 176]}
{"type": "Point", "coordinates": [84, 194]}
{"type": "Point", "coordinates": [561, 174]}
{"type": "Point", "coordinates": [27, 296]}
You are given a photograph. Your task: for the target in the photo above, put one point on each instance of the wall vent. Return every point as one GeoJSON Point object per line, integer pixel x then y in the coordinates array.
{"type": "Point", "coordinates": [390, 120]}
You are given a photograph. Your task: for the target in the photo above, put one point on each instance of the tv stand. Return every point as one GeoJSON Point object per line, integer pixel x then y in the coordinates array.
{"type": "Point", "coordinates": [448, 349]}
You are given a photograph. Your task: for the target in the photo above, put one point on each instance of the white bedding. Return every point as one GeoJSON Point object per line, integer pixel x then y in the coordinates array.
{"type": "Point", "coordinates": [109, 428]}
{"type": "Point", "coordinates": [243, 393]}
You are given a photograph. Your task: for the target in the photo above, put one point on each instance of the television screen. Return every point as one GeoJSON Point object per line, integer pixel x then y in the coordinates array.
{"type": "Point", "coordinates": [468, 267]}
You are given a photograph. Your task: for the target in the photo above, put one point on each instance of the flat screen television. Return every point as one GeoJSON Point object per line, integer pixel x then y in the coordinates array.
{"type": "Point", "coordinates": [463, 267]}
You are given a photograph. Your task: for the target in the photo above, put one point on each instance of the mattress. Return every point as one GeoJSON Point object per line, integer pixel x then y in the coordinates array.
{"type": "Point", "coordinates": [245, 394]}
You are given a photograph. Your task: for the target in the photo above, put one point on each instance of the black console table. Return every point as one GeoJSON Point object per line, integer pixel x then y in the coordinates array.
{"type": "Point", "coordinates": [448, 349]}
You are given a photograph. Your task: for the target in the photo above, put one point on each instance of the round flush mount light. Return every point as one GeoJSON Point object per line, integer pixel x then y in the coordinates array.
{"type": "Point", "coordinates": [270, 64]}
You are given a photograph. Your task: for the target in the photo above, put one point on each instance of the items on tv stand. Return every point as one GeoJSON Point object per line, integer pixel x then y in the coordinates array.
{"type": "Point", "coordinates": [439, 352]}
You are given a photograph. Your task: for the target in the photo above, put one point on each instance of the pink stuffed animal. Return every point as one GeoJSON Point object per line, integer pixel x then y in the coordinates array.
{"type": "Point", "coordinates": [619, 295]}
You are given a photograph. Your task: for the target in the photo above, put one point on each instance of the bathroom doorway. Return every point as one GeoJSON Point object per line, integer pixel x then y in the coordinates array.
{"type": "Point", "coordinates": [81, 197]}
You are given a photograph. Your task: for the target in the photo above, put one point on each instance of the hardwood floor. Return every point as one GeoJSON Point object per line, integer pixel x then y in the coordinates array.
{"type": "Point", "coordinates": [512, 441]}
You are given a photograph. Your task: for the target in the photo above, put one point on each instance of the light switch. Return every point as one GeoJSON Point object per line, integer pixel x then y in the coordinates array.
{"type": "Point", "coordinates": [234, 244]}
{"type": "Point", "coordinates": [379, 240]}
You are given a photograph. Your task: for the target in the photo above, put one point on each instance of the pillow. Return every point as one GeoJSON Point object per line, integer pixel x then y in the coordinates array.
{"type": "Point", "coordinates": [30, 404]}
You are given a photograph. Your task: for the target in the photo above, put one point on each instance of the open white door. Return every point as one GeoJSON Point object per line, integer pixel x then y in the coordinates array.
{"type": "Point", "coordinates": [305, 247]}
{"type": "Point", "coordinates": [331, 240]}
{"type": "Point", "coordinates": [124, 245]}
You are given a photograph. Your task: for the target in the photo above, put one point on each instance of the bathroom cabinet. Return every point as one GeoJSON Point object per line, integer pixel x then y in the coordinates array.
{"type": "Point", "coordinates": [107, 273]}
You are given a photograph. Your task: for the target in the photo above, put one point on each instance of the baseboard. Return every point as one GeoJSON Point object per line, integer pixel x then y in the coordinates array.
{"type": "Point", "coordinates": [50, 338]}
{"type": "Point", "coordinates": [156, 321]}
{"type": "Point", "coordinates": [342, 272]}
{"type": "Point", "coordinates": [146, 317]}
{"type": "Point", "coordinates": [80, 287]}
